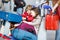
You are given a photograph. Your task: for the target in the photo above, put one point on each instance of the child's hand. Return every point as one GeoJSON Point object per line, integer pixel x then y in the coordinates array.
{"type": "Point", "coordinates": [12, 28]}
{"type": "Point", "coordinates": [24, 21]}
{"type": "Point", "coordinates": [23, 18]}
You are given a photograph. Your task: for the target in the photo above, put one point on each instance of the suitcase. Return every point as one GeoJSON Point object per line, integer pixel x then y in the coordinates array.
{"type": "Point", "coordinates": [27, 27]}
{"type": "Point", "coordinates": [3, 15]}
{"type": "Point", "coordinates": [10, 17]}
{"type": "Point", "coordinates": [51, 21]}
{"type": "Point", "coordinates": [13, 18]}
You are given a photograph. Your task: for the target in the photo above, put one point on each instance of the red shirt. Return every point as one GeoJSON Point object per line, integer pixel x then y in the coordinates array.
{"type": "Point", "coordinates": [28, 16]}
{"type": "Point", "coordinates": [25, 14]}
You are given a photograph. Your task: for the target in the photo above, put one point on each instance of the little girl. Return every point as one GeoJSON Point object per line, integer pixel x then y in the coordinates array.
{"type": "Point", "coordinates": [21, 34]}
{"type": "Point", "coordinates": [36, 21]}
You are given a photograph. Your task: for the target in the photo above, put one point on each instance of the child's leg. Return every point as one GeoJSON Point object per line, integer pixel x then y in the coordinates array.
{"type": "Point", "coordinates": [21, 34]}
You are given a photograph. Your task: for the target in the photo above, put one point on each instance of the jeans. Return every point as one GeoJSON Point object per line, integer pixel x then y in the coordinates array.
{"type": "Point", "coordinates": [57, 35]}
{"type": "Point", "coordinates": [19, 11]}
{"type": "Point", "coordinates": [23, 35]}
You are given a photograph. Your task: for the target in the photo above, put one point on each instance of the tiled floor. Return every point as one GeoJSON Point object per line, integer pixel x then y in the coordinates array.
{"type": "Point", "coordinates": [51, 35]}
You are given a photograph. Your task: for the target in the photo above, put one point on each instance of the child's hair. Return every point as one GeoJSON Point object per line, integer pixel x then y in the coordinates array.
{"type": "Point", "coordinates": [36, 10]}
{"type": "Point", "coordinates": [29, 7]}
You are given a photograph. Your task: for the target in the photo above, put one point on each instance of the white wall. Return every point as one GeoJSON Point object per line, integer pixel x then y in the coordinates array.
{"type": "Point", "coordinates": [32, 2]}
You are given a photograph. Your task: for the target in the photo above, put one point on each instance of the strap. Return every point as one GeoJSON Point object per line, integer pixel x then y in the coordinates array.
{"type": "Point", "coordinates": [40, 22]}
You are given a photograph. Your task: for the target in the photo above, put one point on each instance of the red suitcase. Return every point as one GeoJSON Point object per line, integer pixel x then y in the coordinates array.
{"type": "Point", "coordinates": [51, 21]}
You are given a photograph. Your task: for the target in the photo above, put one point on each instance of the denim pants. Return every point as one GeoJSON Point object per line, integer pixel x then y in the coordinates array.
{"type": "Point", "coordinates": [23, 35]}
{"type": "Point", "coordinates": [19, 11]}
{"type": "Point", "coordinates": [57, 35]}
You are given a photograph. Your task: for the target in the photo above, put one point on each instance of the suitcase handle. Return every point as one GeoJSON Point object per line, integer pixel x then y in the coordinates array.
{"type": "Point", "coordinates": [51, 13]}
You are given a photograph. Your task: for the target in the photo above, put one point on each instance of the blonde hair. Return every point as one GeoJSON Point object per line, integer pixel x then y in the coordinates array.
{"type": "Point", "coordinates": [29, 7]}
{"type": "Point", "coordinates": [36, 10]}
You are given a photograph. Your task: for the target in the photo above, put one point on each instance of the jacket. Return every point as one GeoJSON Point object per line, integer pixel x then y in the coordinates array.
{"type": "Point", "coordinates": [18, 3]}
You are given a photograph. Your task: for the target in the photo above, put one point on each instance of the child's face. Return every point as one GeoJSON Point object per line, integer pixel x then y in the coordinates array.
{"type": "Point", "coordinates": [28, 11]}
{"type": "Point", "coordinates": [33, 13]}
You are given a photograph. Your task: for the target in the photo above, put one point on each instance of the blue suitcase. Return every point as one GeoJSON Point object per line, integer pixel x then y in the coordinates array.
{"type": "Point", "coordinates": [13, 17]}
{"type": "Point", "coordinates": [10, 17]}
{"type": "Point", "coordinates": [3, 15]}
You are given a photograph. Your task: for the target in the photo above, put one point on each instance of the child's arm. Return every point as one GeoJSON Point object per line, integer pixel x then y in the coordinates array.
{"type": "Point", "coordinates": [23, 18]}
{"type": "Point", "coordinates": [35, 22]}
{"type": "Point", "coordinates": [56, 5]}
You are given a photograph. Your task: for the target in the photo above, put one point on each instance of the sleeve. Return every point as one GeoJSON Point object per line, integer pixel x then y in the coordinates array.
{"type": "Point", "coordinates": [35, 22]}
